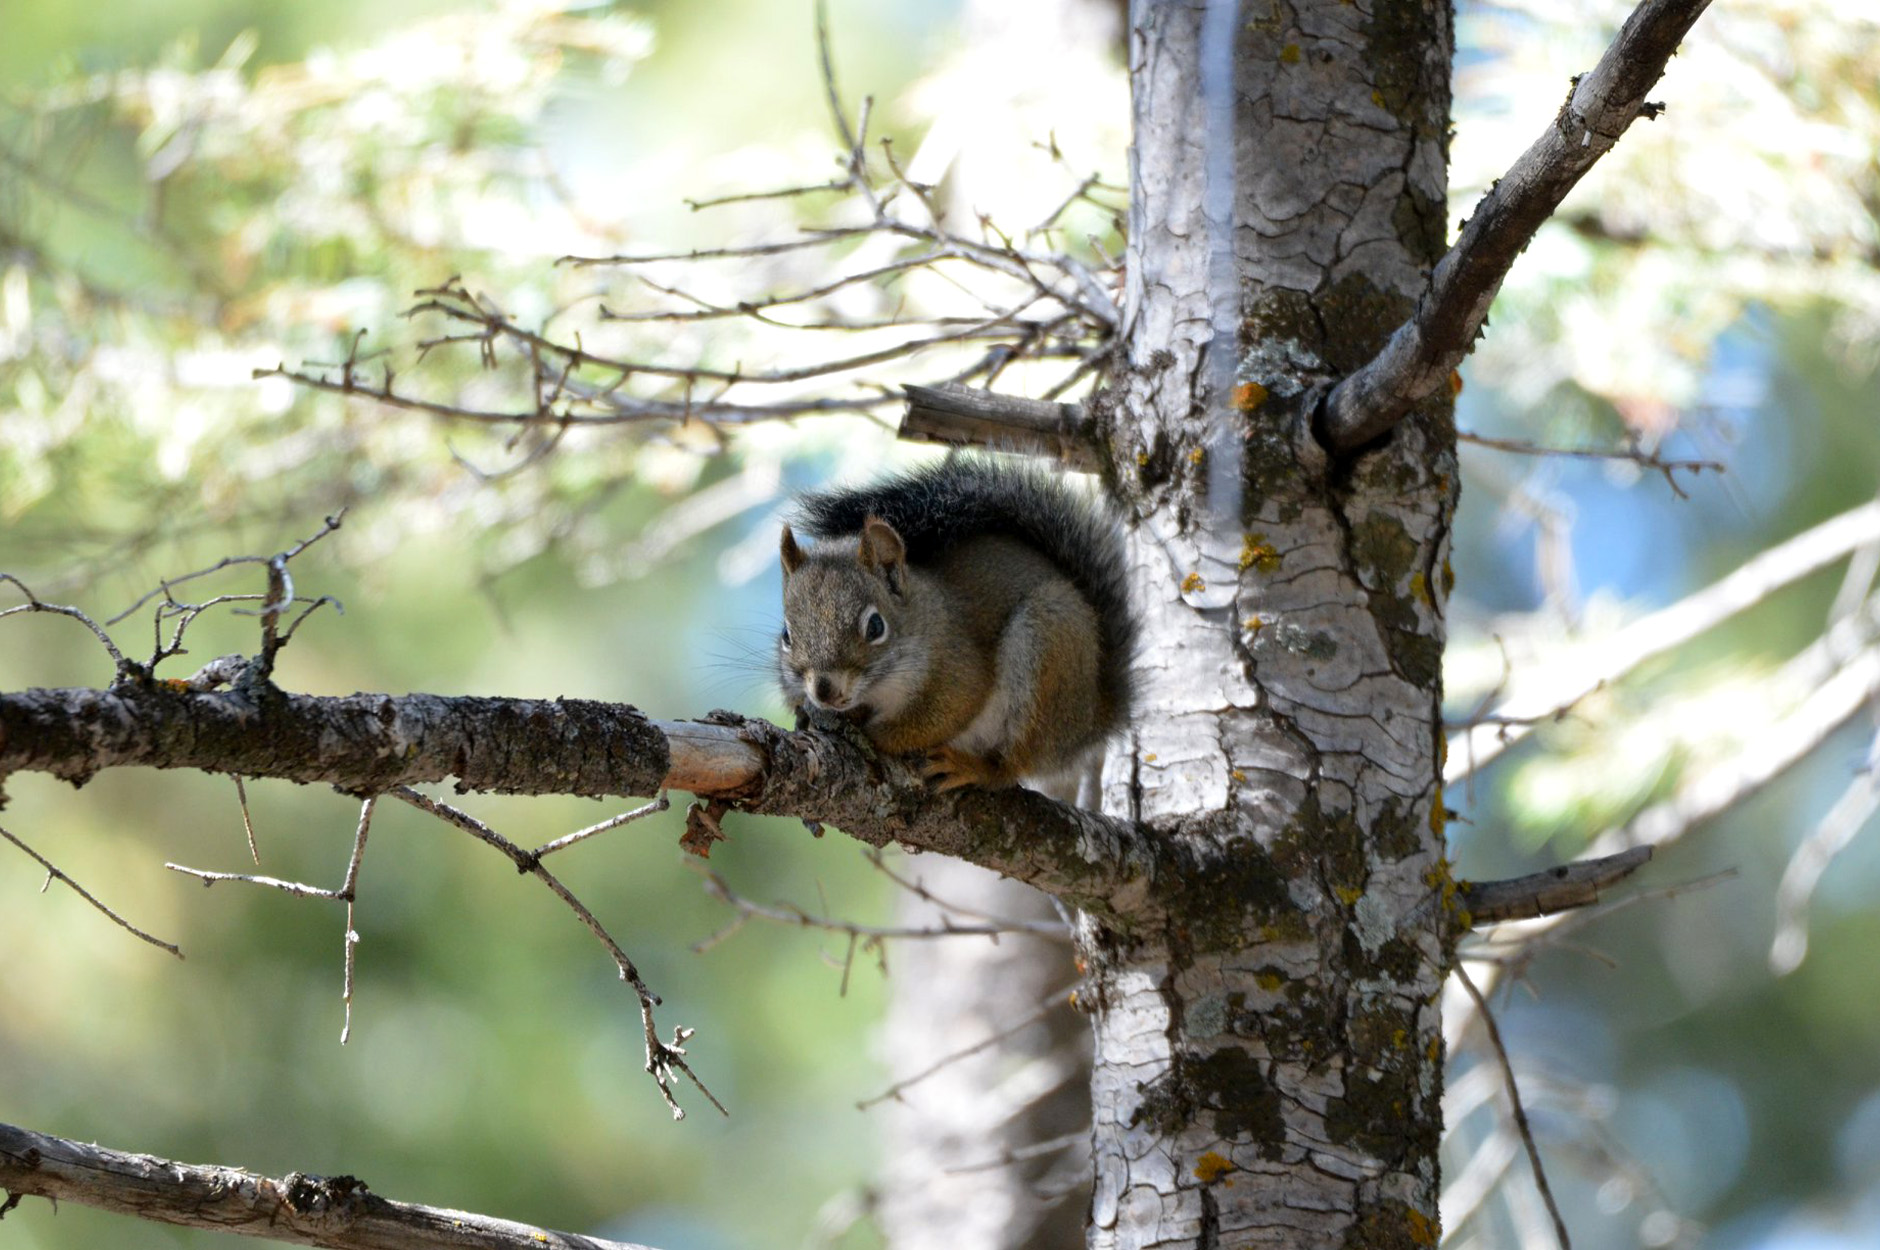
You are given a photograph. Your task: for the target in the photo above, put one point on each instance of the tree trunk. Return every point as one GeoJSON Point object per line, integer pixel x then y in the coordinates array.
{"type": "Point", "coordinates": [1267, 1039]}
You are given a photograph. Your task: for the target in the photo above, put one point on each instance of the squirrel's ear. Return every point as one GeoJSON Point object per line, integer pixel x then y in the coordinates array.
{"type": "Point", "coordinates": [881, 549]}
{"type": "Point", "coordinates": [792, 554]}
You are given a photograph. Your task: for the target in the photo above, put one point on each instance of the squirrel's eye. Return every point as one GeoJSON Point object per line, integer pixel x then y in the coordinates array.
{"type": "Point", "coordinates": [874, 629]}
{"type": "Point", "coordinates": [786, 637]}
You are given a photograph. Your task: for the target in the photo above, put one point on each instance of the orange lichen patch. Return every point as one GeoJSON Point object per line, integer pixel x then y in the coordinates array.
{"type": "Point", "coordinates": [1249, 395]}
{"type": "Point", "coordinates": [1211, 1167]}
{"type": "Point", "coordinates": [1455, 381]}
{"type": "Point", "coordinates": [1438, 815]}
{"type": "Point", "coordinates": [1348, 894]}
{"type": "Point", "coordinates": [175, 685]}
{"type": "Point", "coordinates": [1192, 583]}
{"type": "Point", "coordinates": [1269, 981]}
{"type": "Point", "coordinates": [1196, 456]}
{"type": "Point", "coordinates": [1149, 758]}
{"type": "Point", "coordinates": [1254, 624]}
{"type": "Point", "coordinates": [1236, 774]}
{"type": "Point", "coordinates": [1424, 1231]}
{"type": "Point", "coordinates": [1142, 460]}
{"type": "Point", "coordinates": [1257, 552]}
{"type": "Point", "coordinates": [1290, 54]}
{"type": "Point", "coordinates": [1420, 587]}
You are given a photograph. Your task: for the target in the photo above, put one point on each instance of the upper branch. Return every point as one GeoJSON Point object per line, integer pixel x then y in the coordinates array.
{"type": "Point", "coordinates": [1423, 351]}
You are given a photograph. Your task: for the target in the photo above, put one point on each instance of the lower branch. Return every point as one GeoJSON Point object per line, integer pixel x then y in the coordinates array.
{"type": "Point", "coordinates": [338, 1211]}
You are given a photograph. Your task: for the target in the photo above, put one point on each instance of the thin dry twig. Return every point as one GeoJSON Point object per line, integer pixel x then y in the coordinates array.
{"type": "Point", "coordinates": [1053, 1002]}
{"type": "Point", "coordinates": [1040, 928]}
{"type": "Point", "coordinates": [248, 824]}
{"type": "Point", "coordinates": [35, 604]}
{"type": "Point", "coordinates": [663, 1059]}
{"type": "Point", "coordinates": [1020, 1154]}
{"type": "Point", "coordinates": [168, 584]}
{"type": "Point", "coordinates": [350, 892]}
{"type": "Point", "coordinates": [1514, 1101]}
{"type": "Point", "coordinates": [54, 873]}
{"type": "Point", "coordinates": [660, 804]}
{"type": "Point", "coordinates": [1643, 458]}
{"type": "Point", "coordinates": [789, 914]}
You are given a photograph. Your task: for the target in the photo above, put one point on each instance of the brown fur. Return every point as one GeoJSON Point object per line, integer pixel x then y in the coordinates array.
{"type": "Point", "coordinates": [988, 661]}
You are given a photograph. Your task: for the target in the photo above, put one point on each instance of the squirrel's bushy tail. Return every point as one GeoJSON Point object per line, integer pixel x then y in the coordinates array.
{"type": "Point", "coordinates": [940, 504]}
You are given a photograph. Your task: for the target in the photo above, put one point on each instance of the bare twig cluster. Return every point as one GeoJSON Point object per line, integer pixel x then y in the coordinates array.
{"type": "Point", "coordinates": [890, 273]}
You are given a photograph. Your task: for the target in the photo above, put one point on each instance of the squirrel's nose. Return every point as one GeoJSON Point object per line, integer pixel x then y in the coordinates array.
{"type": "Point", "coordinates": [825, 690]}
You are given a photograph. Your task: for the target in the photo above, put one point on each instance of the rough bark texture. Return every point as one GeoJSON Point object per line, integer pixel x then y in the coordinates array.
{"type": "Point", "coordinates": [365, 743]}
{"type": "Point", "coordinates": [338, 1211]}
{"type": "Point", "coordinates": [1268, 1050]}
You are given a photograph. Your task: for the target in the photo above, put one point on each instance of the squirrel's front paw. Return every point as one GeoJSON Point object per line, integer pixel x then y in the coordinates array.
{"type": "Point", "coordinates": [948, 768]}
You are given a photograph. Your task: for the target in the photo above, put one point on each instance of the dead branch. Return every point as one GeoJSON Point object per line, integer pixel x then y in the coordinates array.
{"type": "Point", "coordinates": [336, 1211]}
{"type": "Point", "coordinates": [960, 416]}
{"type": "Point", "coordinates": [53, 873]}
{"type": "Point", "coordinates": [1556, 889]}
{"type": "Point", "coordinates": [1422, 353]}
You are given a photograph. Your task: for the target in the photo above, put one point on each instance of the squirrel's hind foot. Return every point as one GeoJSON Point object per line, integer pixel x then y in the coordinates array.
{"type": "Point", "coordinates": [949, 768]}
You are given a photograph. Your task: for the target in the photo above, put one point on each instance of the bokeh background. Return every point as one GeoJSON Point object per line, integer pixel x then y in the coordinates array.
{"type": "Point", "coordinates": [190, 191]}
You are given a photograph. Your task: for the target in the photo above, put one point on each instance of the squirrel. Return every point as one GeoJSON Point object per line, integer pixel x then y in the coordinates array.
{"type": "Point", "coordinates": [973, 613]}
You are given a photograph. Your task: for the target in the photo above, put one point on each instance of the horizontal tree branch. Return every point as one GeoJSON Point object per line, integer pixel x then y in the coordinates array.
{"type": "Point", "coordinates": [370, 743]}
{"type": "Point", "coordinates": [1557, 889]}
{"type": "Point", "coordinates": [361, 743]}
{"type": "Point", "coordinates": [1421, 354]}
{"type": "Point", "coordinates": [961, 416]}
{"type": "Point", "coordinates": [338, 1211]}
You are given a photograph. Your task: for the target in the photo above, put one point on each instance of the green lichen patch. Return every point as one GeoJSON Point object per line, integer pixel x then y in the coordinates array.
{"type": "Point", "coordinates": [1229, 1089]}
{"type": "Point", "coordinates": [1329, 845]}
{"type": "Point", "coordinates": [1381, 1115]}
{"type": "Point", "coordinates": [1400, 41]}
{"type": "Point", "coordinates": [1394, 831]}
{"type": "Point", "coordinates": [1365, 316]}
{"type": "Point", "coordinates": [1386, 557]}
{"type": "Point", "coordinates": [1382, 1036]}
{"type": "Point", "coordinates": [1399, 960]}
{"type": "Point", "coordinates": [1388, 1224]}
